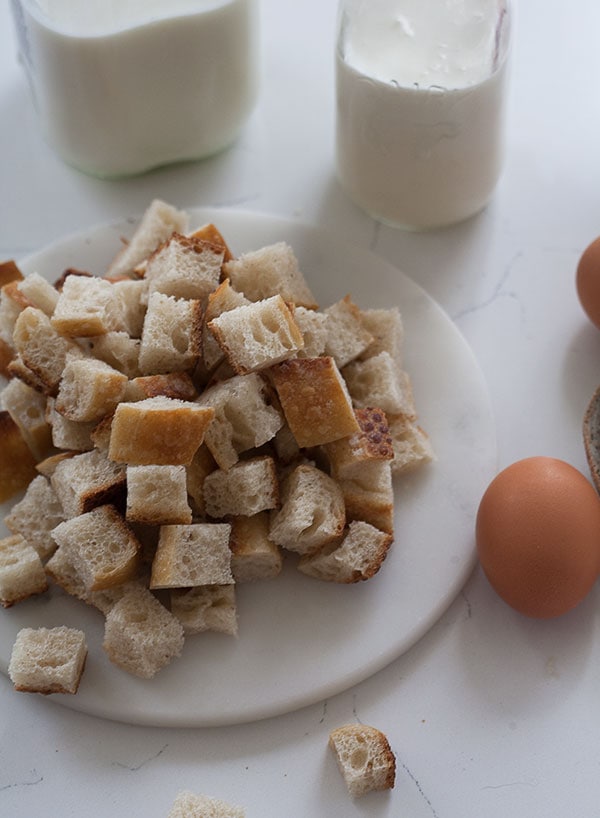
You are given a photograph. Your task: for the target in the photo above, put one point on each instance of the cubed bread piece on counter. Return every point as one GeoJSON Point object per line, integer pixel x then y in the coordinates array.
{"type": "Point", "coordinates": [254, 556]}
{"type": "Point", "coordinates": [89, 389]}
{"type": "Point", "coordinates": [377, 381]}
{"type": "Point", "coordinates": [86, 306]}
{"type": "Point", "coordinates": [27, 408]}
{"type": "Point", "coordinates": [206, 608]}
{"type": "Point", "coordinates": [41, 348]}
{"type": "Point", "coordinates": [102, 547]}
{"type": "Point", "coordinates": [244, 419]}
{"type": "Point", "coordinates": [268, 271]}
{"type": "Point", "coordinates": [17, 463]}
{"type": "Point", "coordinates": [35, 515]}
{"type": "Point", "coordinates": [190, 555]}
{"type": "Point", "coordinates": [315, 400]}
{"type": "Point", "coordinates": [158, 431]}
{"type": "Point", "coordinates": [189, 805]}
{"type": "Point", "coordinates": [312, 511]}
{"type": "Point", "coordinates": [157, 495]}
{"type": "Point", "coordinates": [247, 488]}
{"type": "Point", "coordinates": [257, 335]}
{"type": "Point", "coordinates": [87, 480]}
{"type": "Point", "coordinates": [140, 635]}
{"type": "Point", "coordinates": [21, 571]}
{"type": "Point", "coordinates": [48, 660]}
{"type": "Point", "coordinates": [364, 758]}
{"type": "Point", "coordinates": [347, 338]}
{"type": "Point", "coordinates": [171, 336]}
{"type": "Point", "coordinates": [357, 556]}
{"type": "Point", "coordinates": [185, 267]}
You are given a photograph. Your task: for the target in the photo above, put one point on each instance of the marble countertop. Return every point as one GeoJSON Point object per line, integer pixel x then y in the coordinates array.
{"type": "Point", "coordinates": [489, 714]}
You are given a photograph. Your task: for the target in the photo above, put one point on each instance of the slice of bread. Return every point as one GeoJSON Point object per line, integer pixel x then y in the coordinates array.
{"type": "Point", "coordinates": [17, 463]}
{"type": "Point", "coordinates": [102, 547]}
{"type": "Point", "coordinates": [172, 335]}
{"type": "Point", "coordinates": [158, 431]}
{"type": "Point", "coordinates": [48, 660]}
{"type": "Point", "coordinates": [247, 488]}
{"type": "Point", "coordinates": [271, 270]}
{"type": "Point", "coordinates": [157, 495]}
{"type": "Point", "coordinates": [89, 389]}
{"type": "Point", "coordinates": [189, 805]}
{"type": "Point", "coordinates": [156, 225]}
{"type": "Point", "coordinates": [315, 400]}
{"type": "Point", "coordinates": [364, 758]}
{"type": "Point", "coordinates": [21, 571]}
{"type": "Point", "coordinates": [244, 418]}
{"type": "Point", "coordinates": [88, 480]}
{"type": "Point", "coordinates": [347, 337]}
{"type": "Point", "coordinates": [35, 515]}
{"type": "Point", "coordinates": [191, 555]}
{"type": "Point", "coordinates": [258, 335]}
{"type": "Point", "coordinates": [140, 635]}
{"type": "Point", "coordinates": [356, 557]}
{"type": "Point", "coordinates": [184, 267]}
{"type": "Point", "coordinates": [254, 556]}
{"type": "Point", "coordinates": [206, 608]}
{"type": "Point", "coordinates": [312, 511]}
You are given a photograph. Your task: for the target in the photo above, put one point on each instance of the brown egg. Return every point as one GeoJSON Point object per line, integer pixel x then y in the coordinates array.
{"type": "Point", "coordinates": [538, 536]}
{"type": "Point", "coordinates": [588, 281]}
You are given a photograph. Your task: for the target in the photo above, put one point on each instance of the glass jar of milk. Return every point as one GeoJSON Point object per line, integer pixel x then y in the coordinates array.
{"type": "Point", "coordinates": [421, 106]}
{"type": "Point", "coordinates": [123, 86]}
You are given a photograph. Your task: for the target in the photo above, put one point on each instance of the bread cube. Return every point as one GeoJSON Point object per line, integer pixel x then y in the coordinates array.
{"type": "Point", "coordinates": [410, 444]}
{"type": "Point", "coordinates": [315, 400]}
{"type": "Point", "coordinates": [35, 515]}
{"type": "Point", "coordinates": [102, 547]}
{"type": "Point", "coordinates": [347, 338]}
{"type": "Point", "coordinates": [254, 556]}
{"type": "Point", "coordinates": [41, 348]}
{"type": "Point", "coordinates": [86, 306]}
{"type": "Point", "coordinates": [223, 299]}
{"type": "Point", "coordinates": [247, 488]}
{"type": "Point", "coordinates": [211, 233]}
{"type": "Point", "coordinates": [377, 381]}
{"type": "Point", "coordinates": [258, 335]}
{"type": "Point", "coordinates": [7, 356]}
{"type": "Point", "coordinates": [21, 571]}
{"type": "Point", "coordinates": [206, 608]}
{"type": "Point", "coordinates": [357, 556]}
{"type": "Point", "coordinates": [9, 271]}
{"type": "Point", "coordinates": [202, 464]}
{"type": "Point", "coordinates": [62, 571]}
{"type": "Point", "coordinates": [387, 329]}
{"type": "Point", "coordinates": [185, 267]}
{"type": "Point", "coordinates": [140, 635]}
{"type": "Point", "coordinates": [17, 463]}
{"type": "Point", "coordinates": [27, 408]}
{"type": "Point", "coordinates": [369, 495]}
{"type": "Point", "coordinates": [118, 350]}
{"type": "Point", "coordinates": [158, 431]}
{"type": "Point", "coordinates": [243, 417]}
{"type": "Point", "coordinates": [271, 270]}
{"type": "Point", "coordinates": [312, 511]}
{"type": "Point", "coordinates": [87, 480]}
{"type": "Point", "coordinates": [39, 292]}
{"type": "Point", "coordinates": [373, 442]}
{"type": "Point", "coordinates": [178, 385]}
{"type": "Point", "coordinates": [313, 326]}
{"type": "Point", "coordinates": [131, 298]}
{"type": "Point", "coordinates": [171, 336]}
{"type": "Point", "coordinates": [48, 660]}
{"type": "Point", "coordinates": [71, 435]}
{"type": "Point", "coordinates": [189, 805]}
{"type": "Point", "coordinates": [190, 555]}
{"type": "Point", "coordinates": [89, 389]}
{"type": "Point", "coordinates": [364, 757]}
{"type": "Point", "coordinates": [157, 495]}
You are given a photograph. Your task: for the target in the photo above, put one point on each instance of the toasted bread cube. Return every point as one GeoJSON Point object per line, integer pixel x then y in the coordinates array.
{"type": "Point", "coordinates": [9, 271]}
{"type": "Point", "coordinates": [223, 299]}
{"type": "Point", "coordinates": [206, 608]}
{"type": "Point", "coordinates": [118, 350]}
{"type": "Point", "coordinates": [156, 225]}
{"type": "Point", "coordinates": [313, 326]}
{"type": "Point", "coordinates": [247, 488]}
{"type": "Point", "coordinates": [17, 463]}
{"type": "Point", "coordinates": [21, 571]}
{"type": "Point", "coordinates": [372, 442]}
{"type": "Point", "coordinates": [211, 233]}
{"type": "Point", "coordinates": [347, 338]}
{"type": "Point", "coordinates": [72, 435]}
{"type": "Point", "coordinates": [364, 758]}
{"type": "Point", "coordinates": [103, 548]}
{"type": "Point", "coordinates": [315, 400]}
{"type": "Point", "coordinates": [48, 660]}
{"type": "Point", "coordinates": [202, 464]}
{"type": "Point", "coordinates": [62, 571]}
{"type": "Point", "coordinates": [12, 301]}
{"type": "Point", "coordinates": [86, 306]}
{"type": "Point", "coordinates": [271, 270]}
{"type": "Point", "coordinates": [369, 495]}
{"type": "Point", "coordinates": [190, 555]}
{"type": "Point", "coordinates": [185, 267]}
{"type": "Point", "coordinates": [35, 515]}
{"type": "Point", "coordinates": [357, 556]}
{"type": "Point", "coordinates": [377, 381]}
{"type": "Point", "coordinates": [387, 329]}
{"type": "Point", "coordinates": [27, 408]}
{"type": "Point", "coordinates": [178, 385]}
{"type": "Point", "coordinates": [140, 635]}
{"type": "Point", "coordinates": [243, 418]}
{"type": "Point", "coordinates": [158, 431]}
{"type": "Point", "coordinates": [87, 480]}
{"type": "Point", "coordinates": [171, 336]}
{"type": "Point", "coordinates": [131, 298]}
{"type": "Point", "coordinates": [157, 495]}
{"type": "Point", "coordinates": [89, 390]}
{"type": "Point", "coordinates": [189, 805]}
{"type": "Point", "coordinates": [312, 511]}
{"type": "Point", "coordinates": [39, 292]}
{"type": "Point", "coordinates": [411, 445]}
{"type": "Point", "coordinates": [258, 335]}
{"type": "Point", "coordinates": [254, 556]}
{"type": "Point", "coordinates": [41, 348]}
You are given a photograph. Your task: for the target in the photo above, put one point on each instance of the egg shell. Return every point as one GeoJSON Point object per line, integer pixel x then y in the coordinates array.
{"type": "Point", "coordinates": [588, 281]}
{"type": "Point", "coordinates": [538, 536]}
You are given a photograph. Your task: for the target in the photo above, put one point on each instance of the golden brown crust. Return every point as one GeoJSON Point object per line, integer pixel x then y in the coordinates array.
{"type": "Point", "coordinates": [212, 235]}
{"type": "Point", "coordinates": [375, 438]}
{"type": "Point", "coordinates": [178, 385]}
{"type": "Point", "coordinates": [9, 271]}
{"type": "Point", "coordinates": [17, 464]}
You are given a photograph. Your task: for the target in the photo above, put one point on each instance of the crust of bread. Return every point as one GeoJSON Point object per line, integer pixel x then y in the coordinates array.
{"type": "Point", "coordinates": [9, 271]}
{"type": "Point", "coordinates": [364, 757]}
{"type": "Point", "coordinates": [17, 463]}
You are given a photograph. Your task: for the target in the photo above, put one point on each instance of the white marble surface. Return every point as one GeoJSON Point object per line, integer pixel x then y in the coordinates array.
{"type": "Point", "coordinates": [490, 714]}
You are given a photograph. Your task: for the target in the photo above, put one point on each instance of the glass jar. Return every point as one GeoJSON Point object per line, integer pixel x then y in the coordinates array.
{"type": "Point", "coordinates": [421, 92]}
{"type": "Point", "coordinates": [122, 87]}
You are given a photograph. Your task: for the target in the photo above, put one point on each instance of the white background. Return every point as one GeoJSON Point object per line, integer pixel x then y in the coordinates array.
{"type": "Point", "coordinates": [490, 714]}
